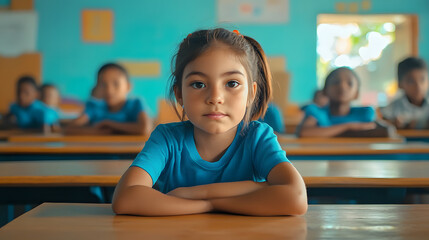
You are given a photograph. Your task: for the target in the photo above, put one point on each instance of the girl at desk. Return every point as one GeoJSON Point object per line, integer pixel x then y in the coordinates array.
{"type": "Point", "coordinates": [219, 160]}
{"type": "Point", "coordinates": [115, 113]}
{"type": "Point", "coordinates": [28, 112]}
{"type": "Point", "coordinates": [338, 117]}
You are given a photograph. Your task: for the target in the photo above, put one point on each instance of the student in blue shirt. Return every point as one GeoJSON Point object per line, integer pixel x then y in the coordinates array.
{"type": "Point", "coordinates": [274, 118]}
{"type": "Point", "coordinates": [115, 113]}
{"type": "Point", "coordinates": [338, 117]}
{"type": "Point", "coordinates": [28, 112]}
{"type": "Point", "coordinates": [219, 160]}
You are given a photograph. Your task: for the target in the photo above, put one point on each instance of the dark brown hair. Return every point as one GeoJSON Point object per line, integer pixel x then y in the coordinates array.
{"type": "Point", "coordinates": [248, 50]}
{"type": "Point", "coordinates": [25, 79]}
{"type": "Point", "coordinates": [332, 75]}
{"type": "Point", "coordinates": [112, 66]}
{"type": "Point", "coordinates": [409, 64]}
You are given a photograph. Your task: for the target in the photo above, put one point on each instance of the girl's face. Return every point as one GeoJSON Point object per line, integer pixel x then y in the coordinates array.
{"type": "Point", "coordinates": [114, 86]}
{"type": "Point", "coordinates": [342, 88]}
{"type": "Point", "coordinates": [27, 94]}
{"type": "Point", "coordinates": [215, 90]}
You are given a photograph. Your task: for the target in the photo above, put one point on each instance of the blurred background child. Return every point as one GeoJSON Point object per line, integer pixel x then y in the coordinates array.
{"type": "Point", "coordinates": [341, 88]}
{"type": "Point", "coordinates": [28, 112]}
{"type": "Point", "coordinates": [115, 113]}
{"type": "Point", "coordinates": [411, 108]}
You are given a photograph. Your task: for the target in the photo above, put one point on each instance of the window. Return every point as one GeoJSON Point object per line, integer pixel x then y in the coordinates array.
{"type": "Point", "coordinates": [372, 45]}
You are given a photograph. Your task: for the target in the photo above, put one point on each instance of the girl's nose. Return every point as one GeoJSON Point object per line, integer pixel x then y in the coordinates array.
{"type": "Point", "coordinates": [215, 96]}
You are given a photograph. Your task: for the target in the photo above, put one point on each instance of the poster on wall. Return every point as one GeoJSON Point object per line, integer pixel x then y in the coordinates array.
{"type": "Point", "coordinates": [253, 11]}
{"type": "Point", "coordinates": [18, 33]}
{"type": "Point", "coordinates": [97, 26]}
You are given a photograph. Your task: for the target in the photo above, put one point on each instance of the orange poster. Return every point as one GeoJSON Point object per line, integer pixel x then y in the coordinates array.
{"type": "Point", "coordinates": [97, 26]}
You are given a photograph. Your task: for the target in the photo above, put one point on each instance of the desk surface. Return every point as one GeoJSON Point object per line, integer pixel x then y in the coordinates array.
{"type": "Point", "coordinates": [364, 173]}
{"type": "Point", "coordinates": [289, 138]}
{"type": "Point", "coordinates": [413, 133]}
{"type": "Point", "coordinates": [39, 138]}
{"type": "Point", "coordinates": [283, 138]}
{"type": "Point", "coordinates": [291, 149]}
{"type": "Point", "coordinates": [97, 221]}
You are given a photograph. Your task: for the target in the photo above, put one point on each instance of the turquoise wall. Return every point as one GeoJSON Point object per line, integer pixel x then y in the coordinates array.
{"type": "Point", "coordinates": [151, 30]}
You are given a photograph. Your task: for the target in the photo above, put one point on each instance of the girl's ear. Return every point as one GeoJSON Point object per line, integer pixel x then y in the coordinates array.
{"type": "Point", "coordinates": [178, 95]}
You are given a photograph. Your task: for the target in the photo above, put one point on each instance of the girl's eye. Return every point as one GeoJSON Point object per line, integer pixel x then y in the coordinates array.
{"type": "Point", "coordinates": [232, 84]}
{"type": "Point", "coordinates": [197, 85]}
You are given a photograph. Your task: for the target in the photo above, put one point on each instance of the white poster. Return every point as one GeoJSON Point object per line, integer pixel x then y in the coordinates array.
{"type": "Point", "coordinates": [253, 11]}
{"type": "Point", "coordinates": [18, 32]}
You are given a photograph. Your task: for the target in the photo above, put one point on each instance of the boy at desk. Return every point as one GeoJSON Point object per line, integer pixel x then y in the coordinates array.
{"type": "Point", "coordinates": [411, 109]}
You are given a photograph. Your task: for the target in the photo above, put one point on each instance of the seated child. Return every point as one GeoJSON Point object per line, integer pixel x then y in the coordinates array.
{"type": "Point", "coordinates": [338, 117]}
{"type": "Point", "coordinates": [219, 160]}
{"type": "Point", "coordinates": [274, 118]}
{"type": "Point", "coordinates": [50, 95]}
{"type": "Point", "coordinates": [28, 112]}
{"type": "Point", "coordinates": [411, 109]}
{"type": "Point", "coordinates": [115, 113]}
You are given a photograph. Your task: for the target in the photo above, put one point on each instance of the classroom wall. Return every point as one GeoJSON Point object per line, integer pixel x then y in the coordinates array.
{"type": "Point", "coordinates": [151, 30]}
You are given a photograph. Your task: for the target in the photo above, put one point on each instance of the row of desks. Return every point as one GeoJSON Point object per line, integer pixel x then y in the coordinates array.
{"type": "Point", "coordinates": [25, 136]}
{"type": "Point", "coordinates": [292, 149]}
{"type": "Point", "coordinates": [316, 174]}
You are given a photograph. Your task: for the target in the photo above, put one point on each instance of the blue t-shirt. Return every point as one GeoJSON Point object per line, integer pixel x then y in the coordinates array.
{"type": "Point", "coordinates": [172, 160]}
{"type": "Point", "coordinates": [325, 119]}
{"type": "Point", "coordinates": [35, 115]}
{"type": "Point", "coordinates": [274, 118]}
{"type": "Point", "coordinates": [97, 111]}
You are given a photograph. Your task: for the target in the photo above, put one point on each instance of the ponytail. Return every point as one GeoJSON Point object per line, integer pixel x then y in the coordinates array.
{"type": "Point", "coordinates": [263, 80]}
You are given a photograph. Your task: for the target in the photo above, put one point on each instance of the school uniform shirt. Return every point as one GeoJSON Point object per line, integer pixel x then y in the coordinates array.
{"type": "Point", "coordinates": [97, 111]}
{"type": "Point", "coordinates": [34, 116]}
{"type": "Point", "coordinates": [407, 112]}
{"type": "Point", "coordinates": [274, 118]}
{"type": "Point", "coordinates": [171, 158]}
{"type": "Point", "coordinates": [325, 119]}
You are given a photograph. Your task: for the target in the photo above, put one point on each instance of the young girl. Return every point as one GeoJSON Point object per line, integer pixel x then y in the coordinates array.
{"type": "Point", "coordinates": [219, 160]}
{"type": "Point", "coordinates": [115, 113]}
{"type": "Point", "coordinates": [341, 88]}
{"type": "Point", "coordinates": [28, 112]}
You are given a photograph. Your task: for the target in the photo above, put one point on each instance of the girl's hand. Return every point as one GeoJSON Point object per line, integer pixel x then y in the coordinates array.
{"type": "Point", "coordinates": [399, 123]}
{"type": "Point", "coordinates": [104, 124]}
{"type": "Point", "coordinates": [362, 126]}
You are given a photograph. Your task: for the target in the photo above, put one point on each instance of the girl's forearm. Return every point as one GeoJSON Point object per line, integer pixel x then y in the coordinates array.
{"type": "Point", "coordinates": [267, 201]}
{"type": "Point", "coordinates": [218, 190]}
{"type": "Point", "coordinates": [142, 200]}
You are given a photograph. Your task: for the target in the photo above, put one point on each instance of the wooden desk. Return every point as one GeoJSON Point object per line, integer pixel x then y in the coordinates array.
{"type": "Point", "coordinates": [355, 149]}
{"type": "Point", "coordinates": [35, 138]}
{"type": "Point", "coordinates": [291, 149]}
{"type": "Point", "coordinates": [288, 138]}
{"type": "Point", "coordinates": [97, 221]}
{"type": "Point", "coordinates": [413, 133]}
{"type": "Point", "coordinates": [6, 134]}
{"type": "Point", "coordinates": [70, 148]}
{"type": "Point", "coordinates": [349, 174]}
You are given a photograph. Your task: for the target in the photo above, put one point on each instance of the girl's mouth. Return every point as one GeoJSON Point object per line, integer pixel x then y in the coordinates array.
{"type": "Point", "coordinates": [215, 115]}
